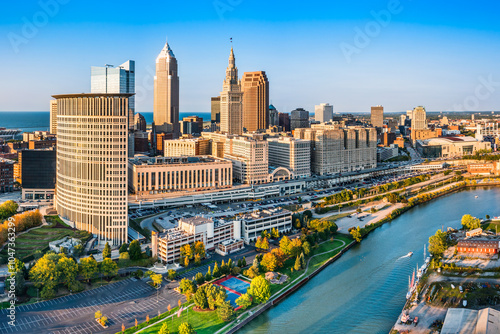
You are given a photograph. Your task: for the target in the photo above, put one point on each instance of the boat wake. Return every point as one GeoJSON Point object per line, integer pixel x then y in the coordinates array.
{"type": "Point", "coordinates": [407, 255]}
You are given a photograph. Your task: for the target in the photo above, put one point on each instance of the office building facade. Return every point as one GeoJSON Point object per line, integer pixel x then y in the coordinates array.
{"type": "Point", "coordinates": [299, 118]}
{"type": "Point", "coordinates": [323, 113]}
{"type": "Point", "coordinates": [6, 175]}
{"type": "Point", "coordinates": [284, 121]}
{"type": "Point", "coordinates": [53, 116]}
{"type": "Point", "coordinates": [215, 109]}
{"type": "Point", "coordinates": [377, 116]}
{"type": "Point", "coordinates": [273, 116]}
{"type": "Point", "coordinates": [255, 87]}
{"type": "Point", "coordinates": [231, 100]}
{"type": "Point", "coordinates": [291, 153]}
{"type": "Point", "coordinates": [186, 147]}
{"type": "Point", "coordinates": [250, 159]}
{"type": "Point", "coordinates": [38, 173]}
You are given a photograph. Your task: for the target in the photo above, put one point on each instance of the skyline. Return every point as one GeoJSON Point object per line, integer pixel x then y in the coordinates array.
{"type": "Point", "coordinates": [440, 61]}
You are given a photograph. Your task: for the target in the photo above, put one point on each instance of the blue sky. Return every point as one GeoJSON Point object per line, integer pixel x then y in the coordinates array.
{"type": "Point", "coordinates": [352, 54]}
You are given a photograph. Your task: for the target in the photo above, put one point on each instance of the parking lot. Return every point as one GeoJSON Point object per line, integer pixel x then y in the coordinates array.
{"type": "Point", "coordinates": [121, 302]}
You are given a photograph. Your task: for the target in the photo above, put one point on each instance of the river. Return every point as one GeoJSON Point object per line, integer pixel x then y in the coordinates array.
{"type": "Point", "coordinates": [364, 291]}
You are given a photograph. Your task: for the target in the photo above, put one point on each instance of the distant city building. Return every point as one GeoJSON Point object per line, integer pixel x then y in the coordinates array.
{"type": "Point", "coordinates": [386, 153]}
{"type": "Point", "coordinates": [231, 100]}
{"type": "Point", "coordinates": [255, 87]}
{"type": "Point", "coordinates": [140, 123]}
{"type": "Point", "coordinates": [38, 173]}
{"type": "Point", "coordinates": [92, 189]}
{"type": "Point", "coordinates": [186, 147]}
{"type": "Point", "coordinates": [387, 138]}
{"type": "Point", "coordinates": [141, 142]}
{"type": "Point", "coordinates": [250, 159]}
{"type": "Point", "coordinates": [400, 141]}
{"type": "Point", "coordinates": [291, 153]}
{"type": "Point", "coordinates": [402, 120]}
{"type": "Point", "coordinates": [419, 119]}
{"type": "Point", "coordinates": [192, 125]}
{"type": "Point", "coordinates": [6, 175]}
{"type": "Point", "coordinates": [447, 147]}
{"type": "Point", "coordinates": [444, 121]}
{"type": "Point", "coordinates": [323, 113]}
{"type": "Point", "coordinates": [215, 109]}
{"type": "Point", "coordinates": [426, 134]}
{"type": "Point", "coordinates": [160, 141]}
{"type": "Point", "coordinates": [273, 116]}
{"type": "Point", "coordinates": [284, 121]}
{"type": "Point", "coordinates": [166, 93]}
{"type": "Point", "coordinates": [53, 116]}
{"type": "Point", "coordinates": [299, 118]}
{"type": "Point", "coordinates": [339, 150]}
{"type": "Point", "coordinates": [150, 176]}
{"type": "Point", "coordinates": [377, 116]}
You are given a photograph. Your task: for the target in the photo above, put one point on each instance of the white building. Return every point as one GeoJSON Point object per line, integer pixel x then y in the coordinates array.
{"type": "Point", "coordinates": [254, 223]}
{"type": "Point", "coordinates": [291, 153]}
{"type": "Point", "coordinates": [323, 113]}
{"type": "Point", "coordinates": [250, 159]}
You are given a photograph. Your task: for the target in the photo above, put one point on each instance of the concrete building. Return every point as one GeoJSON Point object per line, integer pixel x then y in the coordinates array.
{"type": "Point", "coordinates": [284, 121]}
{"type": "Point", "coordinates": [273, 116]}
{"type": "Point", "coordinates": [255, 87]}
{"type": "Point", "coordinates": [299, 118]}
{"type": "Point", "coordinates": [91, 184]}
{"type": "Point", "coordinates": [402, 120]}
{"type": "Point", "coordinates": [377, 116]}
{"type": "Point", "coordinates": [140, 123]}
{"type": "Point", "coordinates": [141, 142]}
{"type": "Point", "coordinates": [339, 150]}
{"type": "Point", "coordinates": [6, 175]}
{"type": "Point", "coordinates": [480, 246]}
{"type": "Point", "coordinates": [215, 109]}
{"type": "Point", "coordinates": [291, 153]}
{"type": "Point", "coordinates": [231, 100]}
{"type": "Point", "coordinates": [166, 93]}
{"type": "Point", "coordinates": [467, 321]}
{"type": "Point", "coordinates": [150, 176]}
{"type": "Point", "coordinates": [53, 116]}
{"type": "Point", "coordinates": [191, 125]}
{"type": "Point", "coordinates": [212, 232]}
{"type": "Point", "coordinates": [492, 168]}
{"type": "Point", "coordinates": [386, 153]}
{"type": "Point", "coordinates": [447, 147]}
{"type": "Point", "coordinates": [323, 113]}
{"type": "Point", "coordinates": [37, 173]}
{"type": "Point", "coordinates": [253, 224]}
{"type": "Point", "coordinates": [186, 147]}
{"type": "Point", "coordinates": [425, 134]}
{"type": "Point", "coordinates": [418, 119]}
{"type": "Point", "coordinates": [250, 159]}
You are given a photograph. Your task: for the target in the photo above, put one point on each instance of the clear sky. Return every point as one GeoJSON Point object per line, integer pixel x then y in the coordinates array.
{"type": "Point", "coordinates": [443, 55]}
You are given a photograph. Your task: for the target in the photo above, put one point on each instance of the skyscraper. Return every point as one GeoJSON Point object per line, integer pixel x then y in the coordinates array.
{"type": "Point", "coordinates": [140, 122]}
{"type": "Point", "coordinates": [215, 109]}
{"type": "Point", "coordinates": [273, 116]}
{"type": "Point", "coordinates": [166, 93]}
{"type": "Point", "coordinates": [419, 119]}
{"type": "Point", "coordinates": [255, 89]}
{"type": "Point", "coordinates": [53, 117]}
{"type": "Point", "coordinates": [323, 112]}
{"type": "Point", "coordinates": [231, 108]}
{"type": "Point", "coordinates": [91, 184]}
{"type": "Point", "coordinates": [377, 116]}
{"type": "Point", "coordinates": [299, 118]}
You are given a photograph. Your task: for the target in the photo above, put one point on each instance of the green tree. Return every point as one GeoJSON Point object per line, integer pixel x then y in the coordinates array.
{"type": "Point", "coordinates": [437, 243]}
{"type": "Point", "coordinates": [157, 279]}
{"type": "Point", "coordinates": [297, 265]}
{"type": "Point", "coordinates": [285, 245]}
{"type": "Point", "coordinates": [20, 283]}
{"type": "Point", "coordinates": [88, 268]}
{"type": "Point", "coordinates": [200, 299]}
{"type": "Point", "coordinates": [260, 289]}
{"type": "Point", "coordinates": [200, 278]}
{"type": "Point", "coordinates": [134, 250]}
{"type": "Point", "coordinates": [208, 275]}
{"type": "Point", "coordinates": [355, 233]}
{"type": "Point", "coordinates": [187, 252]}
{"type": "Point", "coordinates": [186, 328]}
{"type": "Point", "coordinates": [124, 256]}
{"type": "Point", "coordinates": [216, 272]}
{"type": "Point", "coordinates": [172, 274]}
{"type": "Point", "coordinates": [44, 273]}
{"type": "Point", "coordinates": [187, 287]}
{"type": "Point", "coordinates": [225, 312]}
{"type": "Point", "coordinates": [197, 259]}
{"type": "Point", "coordinates": [106, 253]}
{"type": "Point", "coordinates": [244, 301]}
{"type": "Point", "coordinates": [306, 247]}
{"type": "Point", "coordinates": [8, 209]}
{"type": "Point", "coordinates": [164, 329]}
{"type": "Point", "coordinates": [302, 261]}
{"type": "Point", "coordinates": [109, 268]}
{"type": "Point", "coordinates": [68, 270]}
{"type": "Point", "coordinates": [470, 223]}
{"type": "Point", "coordinates": [78, 250]}
{"type": "Point", "coordinates": [275, 234]}
{"type": "Point", "coordinates": [264, 244]}
{"type": "Point", "coordinates": [123, 248]}
{"type": "Point", "coordinates": [17, 266]}
{"type": "Point", "coordinates": [199, 249]}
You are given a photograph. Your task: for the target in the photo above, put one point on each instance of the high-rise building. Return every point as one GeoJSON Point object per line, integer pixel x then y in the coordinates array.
{"type": "Point", "coordinates": [250, 158]}
{"type": "Point", "coordinates": [53, 117]}
{"type": "Point", "coordinates": [273, 116]}
{"type": "Point", "coordinates": [284, 121]}
{"type": "Point", "coordinates": [38, 173]}
{"type": "Point", "coordinates": [255, 89]}
{"type": "Point", "coordinates": [140, 123]}
{"type": "Point", "coordinates": [299, 118]}
{"type": "Point", "coordinates": [419, 119]}
{"type": "Point", "coordinates": [115, 80]}
{"type": "Point", "coordinates": [215, 110]}
{"type": "Point", "coordinates": [6, 175]}
{"type": "Point", "coordinates": [402, 120]}
{"type": "Point", "coordinates": [192, 125]}
{"type": "Point", "coordinates": [166, 93]}
{"type": "Point", "coordinates": [231, 98]}
{"type": "Point", "coordinates": [91, 183]}
{"type": "Point", "coordinates": [377, 116]}
{"type": "Point", "coordinates": [323, 112]}
{"type": "Point", "coordinates": [291, 153]}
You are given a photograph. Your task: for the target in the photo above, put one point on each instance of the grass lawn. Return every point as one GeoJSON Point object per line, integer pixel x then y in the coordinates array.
{"type": "Point", "coordinates": [333, 218]}
{"type": "Point", "coordinates": [491, 226]}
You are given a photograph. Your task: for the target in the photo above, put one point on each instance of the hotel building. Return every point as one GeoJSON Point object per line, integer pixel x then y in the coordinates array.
{"type": "Point", "coordinates": [91, 183]}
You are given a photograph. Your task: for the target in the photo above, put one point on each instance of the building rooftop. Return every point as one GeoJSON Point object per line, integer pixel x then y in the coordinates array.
{"type": "Point", "coordinates": [264, 213]}
{"type": "Point", "coordinates": [64, 96]}
{"type": "Point", "coordinates": [143, 160]}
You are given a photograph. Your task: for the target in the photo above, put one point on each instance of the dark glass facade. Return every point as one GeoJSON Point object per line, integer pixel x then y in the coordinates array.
{"type": "Point", "coordinates": [38, 169]}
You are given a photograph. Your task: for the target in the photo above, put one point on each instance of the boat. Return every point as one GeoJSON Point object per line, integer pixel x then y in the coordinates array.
{"type": "Point", "coordinates": [476, 196]}
{"type": "Point", "coordinates": [409, 254]}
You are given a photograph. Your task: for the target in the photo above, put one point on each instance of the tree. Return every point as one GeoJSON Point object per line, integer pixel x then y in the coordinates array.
{"type": "Point", "coordinates": [187, 252]}
{"type": "Point", "coordinates": [78, 250]}
{"type": "Point", "coordinates": [68, 270]}
{"type": "Point", "coordinates": [200, 299]}
{"type": "Point", "coordinates": [297, 265]}
{"type": "Point", "coordinates": [285, 245]}
{"type": "Point", "coordinates": [197, 259]}
{"type": "Point", "coordinates": [199, 249]}
{"type": "Point", "coordinates": [88, 268]}
{"type": "Point", "coordinates": [19, 281]}
{"type": "Point", "coordinates": [275, 234]}
{"type": "Point", "coordinates": [470, 222]}
{"type": "Point", "coordinates": [487, 217]}
{"type": "Point", "coordinates": [17, 266]}
{"type": "Point", "coordinates": [437, 243]}
{"type": "Point", "coordinates": [124, 256]}
{"type": "Point", "coordinates": [244, 301]}
{"type": "Point", "coordinates": [106, 253]}
{"type": "Point", "coordinates": [264, 244]}
{"type": "Point", "coordinates": [157, 279]}
{"type": "Point", "coordinates": [225, 312]}
{"type": "Point", "coordinates": [186, 262]}
{"type": "Point", "coordinates": [109, 268]}
{"type": "Point", "coordinates": [44, 273]}
{"type": "Point", "coordinates": [265, 234]}
{"type": "Point", "coordinates": [255, 263]}
{"type": "Point", "coordinates": [243, 262]}
{"type": "Point", "coordinates": [216, 272]}
{"type": "Point", "coordinates": [356, 233]}
{"type": "Point", "coordinates": [186, 328]}
{"type": "Point", "coordinates": [306, 248]}
{"type": "Point", "coordinates": [172, 274]}
{"type": "Point", "coordinates": [302, 261]}
{"type": "Point", "coordinates": [123, 248]}
{"type": "Point", "coordinates": [188, 288]}
{"type": "Point", "coordinates": [208, 275]}
{"type": "Point", "coordinates": [8, 209]}
{"type": "Point", "coordinates": [295, 247]}
{"type": "Point", "coordinates": [260, 289]}
{"type": "Point", "coordinates": [251, 272]}
{"type": "Point", "coordinates": [200, 278]}
{"type": "Point", "coordinates": [269, 262]}
{"type": "Point", "coordinates": [164, 329]}
{"type": "Point", "coordinates": [134, 250]}
{"type": "Point", "coordinates": [98, 315]}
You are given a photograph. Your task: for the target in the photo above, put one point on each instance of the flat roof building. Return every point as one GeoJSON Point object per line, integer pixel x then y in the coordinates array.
{"type": "Point", "coordinates": [447, 147]}
{"type": "Point", "coordinates": [291, 153]}
{"type": "Point", "coordinates": [253, 224]}
{"type": "Point", "coordinates": [186, 147]}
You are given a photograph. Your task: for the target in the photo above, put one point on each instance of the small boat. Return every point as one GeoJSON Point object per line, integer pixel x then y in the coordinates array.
{"type": "Point", "coordinates": [409, 254]}
{"type": "Point", "coordinates": [476, 196]}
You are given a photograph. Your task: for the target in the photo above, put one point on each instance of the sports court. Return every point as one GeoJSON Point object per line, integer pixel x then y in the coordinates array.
{"type": "Point", "coordinates": [234, 286]}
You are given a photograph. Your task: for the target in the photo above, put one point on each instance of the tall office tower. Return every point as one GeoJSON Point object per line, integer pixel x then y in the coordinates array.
{"type": "Point", "coordinates": [166, 95]}
{"type": "Point", "coordinates": [53, 117]}
{"type": "Point", "coordinates": [409, 114]}
{"type": "Point", "coordinates": [255, 89]}
{"type": "Point", "coordinates": [91, 183]}
{"type": "Point", "coordinates": [419, 119]}
{"type": "Point", "coordinates": [140, 122]}
{"type": "Point", "coordinates": [115, 80]}
{"type": "Point", "coordinates": [273, 116]}
{"type": "Point", "coordinates": [291, 153]}
{"type": "Point", "coordinates": [299, 118]}
{"type": "Point", "coordinates": [192, 125]}
{"type": "Point", "coordinates": [284, 121]}
{"type": "Point", "coordinates": [323, 113]}
{"type": "Point", "coordinates": [377, 118]}
{"type": "Point", "coordinates": [231, 97]}
{"type": "Point", "coordinates": [402, 120]}
{"type": "Point", "coordinates": [215, 109]}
